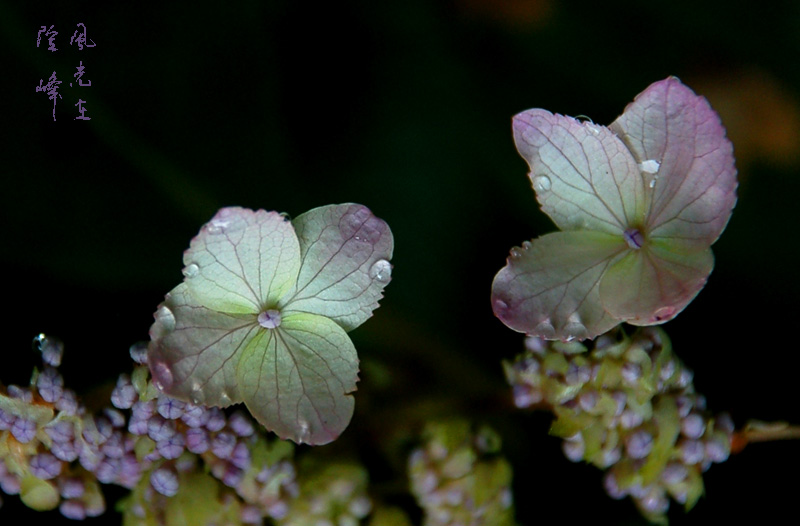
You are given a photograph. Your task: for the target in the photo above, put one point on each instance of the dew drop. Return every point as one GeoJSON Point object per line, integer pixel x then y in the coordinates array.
{"type": "Point", "coordinates": [500, 307]}
{"type": "Point", "coordinates": [191, 270]}
{"type": "Point", "coordinates": [633, 238]}
{"type": "Point", "coordinates": [526, 245]}
{"type": "Point", "coordinates": [381, 271]}
{"type": "Point", "coordinates": [162, 375]}
{"type": "Point", "coordinates": [650, 166]}
{"type": "Point", "coordinates": [515, 253]}
{"type": "Point", "coordinates": [652, 183]}
{"type": "Point", "coordinates": [270, 319]}
{"type": "Point", "coordinates": [541, 183]}
{"type": "Point", "coordinates": [545, 330]}
{"type": "Point", "coordinates": [217, 225]}
{"type": "Point", "coordinates": [303, 435]}
{"type": "Point", "coordinates": [575, 330]}
{"type": "Point", "coordinates": [165, 321]}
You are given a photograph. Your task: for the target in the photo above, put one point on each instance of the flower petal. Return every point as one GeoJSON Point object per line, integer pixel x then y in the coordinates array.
{"type": "Point", "coordinates": [694, 190]}
{"type": "Point", "coordinates": [652, 285]}
{"type": "Point", "coordinates": [345, 254]}
{"type": "Point", "coordinates": [550, 288]}
{"type": "Point", "coordinates": [194, 350]}
{"type": "Point", "coordinates": [242, 261]}
{"type": "Point", "coordinates": [297, 379]}
{"type": "Point", "coordinates": [584, 176]}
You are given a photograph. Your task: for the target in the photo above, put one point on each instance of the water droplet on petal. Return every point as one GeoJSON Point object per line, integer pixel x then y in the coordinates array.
{"type": "Point", "coordinates": [270, 319]}
{"type": "Point", "coordinates": [575, 330]}
{"type": "Point", "coordinates": [515, 253]}
{"type": "Point", "coordinates": [500, 307]}
{"type": "Point", "coordinates": [381, 270]}
{"type": "Point", "coordinates": [652, 183]}
{"type": "Point", "coordinates": [650, 166]}
{"type": "Point", "coordinates": [541, 183]}
{"type": "Point", "coordinates": [162, 375]}
{"type": "Point", "coordinates": [303, 435]}
{"type": "Point", "coordinates": [217, 225]}
{"type": "Point", "coordinates": [165, 322]}
{"type": "Point", "coordinates": [545, 330]}
{"type": "Point", "coordinates": [191, 270]}
{"type": "Point", "coordinates": [526, 245]}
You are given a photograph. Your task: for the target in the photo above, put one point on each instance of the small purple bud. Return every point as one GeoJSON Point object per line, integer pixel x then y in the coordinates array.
{"type": "Point", "coordinates": [195, 415]}
{"type": "Point", "coordinates": [724, 423]}
{"type": "Point", "coordinates": [165, 481]}
{"type": "Point", "coordinates": [6, 420]}
{"type": "Point", "coordinates": [693, 426]}
{"type": "Point", "coordinates": [526, 395]}
{"type": "Point", "coordinates": [197, 440]}
{"type": "Point", "coordinates": [172, 447]}
{"type": "Point", "coordinates": [24, 430]}
{"type": "Point", "coordinates": [159, 429]}
{"type": "Point", "coordinates": [633, 238]}
{"type": "Point", "coordinates": [72, 487]}
{"type": "Point", "coordinates": [114, 447]}
{"type": "Point", "coordinates": [45, 466]}
{"type": "Point", "coordinates": [143, 409]}
{"type": "Point", "coordinates": [222, 445]}
{"type": "Point", "coordinates": [718, 448]}
{"type": "Point", "coordinates": [577, 374]}
{"type": "Point", "coordinates": [65, 451]}
{"type": "Point", "coordinates": [612, 488]}
{"type": "Point", "coordinates": [250, 514]}
{"type": "Point", "coordinates": [130, 471]}
{"type": "Point", "coordinates": [107, 470]}
{"type": "Point", "coordinates": [9, 483]}
{"type": "Point", "coordinates": [692, 451]}
{"type": "Point", "coordinates": [216, 419]}
{"type": "Point", "coordinates": [89, 458]}
{"type": "Point", "coordinates": [639, 444]}
{"type": "Point", "coordinates": [621, 400]}
{"type": "Point", "coordinates": [587, 400]}
{"type": "Point", "coordinates": [169, 408]}
{"type": "Point", "coordinates": [674, 473]}
{"type": "Point", "coordinates": [240, 457]}
{"type": "Point", "coordinates": [139, 352]}
{"type": "Point", "coordinates": [114, 416]}
{"type": "Point", "coordinates": [50, 385]}
{"type": "Point", "coordinates": [15, 391]}
{"type": "Point", "coordinates": [60, 431]}
{"type": "Point", "coordinates": [241, 424]}
{"type": "Point", "coordinates": [124, 394]}
{"type": "Point", "coordinates": [573, 450]}
{"type": "Point", "coordinates": [232, 476]}
{"type": "Point", "coordinates": [73, 509]}
{"type": "Point", "coordinates": [655, 501]}
{"type": "Point", "coordinates": [631, 373]}
{"type": "Point", "coordinates": [68, 403]}
{"type": "Point", "coordinates": [51, 348]}
{"type": "Point", "coordinates": [630, 419]}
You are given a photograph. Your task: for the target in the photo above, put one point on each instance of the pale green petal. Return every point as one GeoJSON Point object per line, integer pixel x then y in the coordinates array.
{"type": "Point", "coordinates": [694, 177]}
{"type": "Point", "coordinates": [297, 379]}
{"type": "Point", "coordinates": [194, 350]}
{"type": "Point", "coordinates": [345, 254]}
{"type": "Point", "coordinates": [653, 284]}
{"type": "Point", "coordinates": [583, 174]}
{"type": "Point", "coordinates": [242, 261]}
{"type": "Point", "coordinates": [550, 288]}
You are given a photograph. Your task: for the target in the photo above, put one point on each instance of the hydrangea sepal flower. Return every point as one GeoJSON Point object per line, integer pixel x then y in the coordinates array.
{"type": "Point", "coordinates": [639, 204]}
{"type": "Point", "coordinates": [263, 313]}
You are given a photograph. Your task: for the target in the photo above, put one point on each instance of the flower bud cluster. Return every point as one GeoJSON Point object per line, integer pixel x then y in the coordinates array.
{"type": "Point", "coordinates": [627, 405]}
{"type": "Point", "coordinates": [458, 476]}
{"type": "Point", "coordinates": [54, 452]}
{"type": "Point", "coordinates": [335, 493]}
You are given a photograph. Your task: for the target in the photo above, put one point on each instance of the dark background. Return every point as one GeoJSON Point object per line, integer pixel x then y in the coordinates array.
{"type": "Point", "coordinates": [406, 108]}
